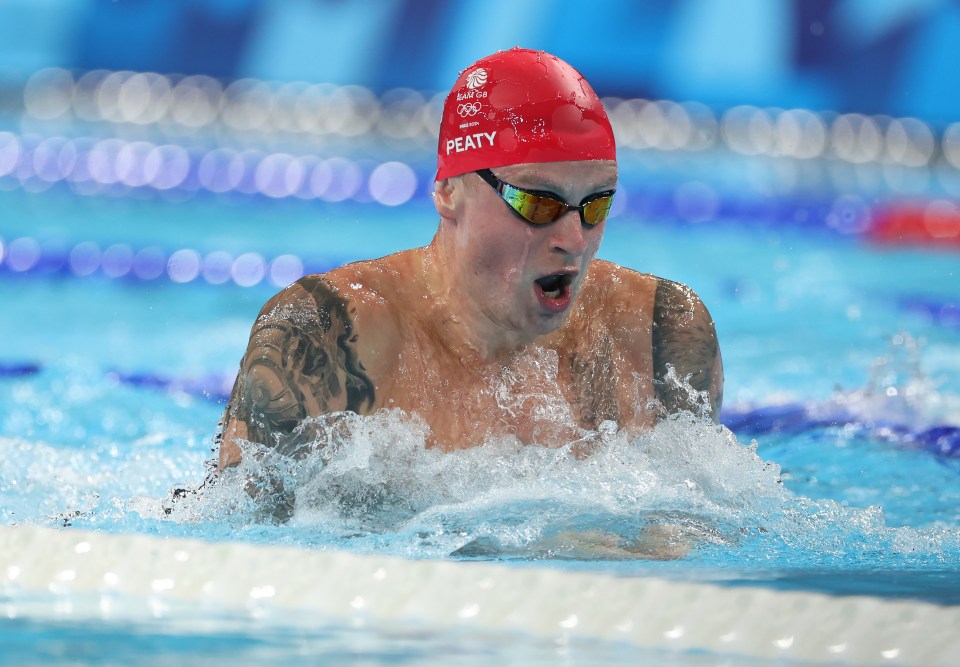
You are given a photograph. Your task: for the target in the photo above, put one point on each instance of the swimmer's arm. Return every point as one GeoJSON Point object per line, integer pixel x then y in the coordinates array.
{"type": "Point", "coordinates": [685, 339]}
{"type": "Point", "coordinates": [301, 362]}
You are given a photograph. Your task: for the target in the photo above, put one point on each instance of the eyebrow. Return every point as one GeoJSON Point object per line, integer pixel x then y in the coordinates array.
{"type": "Point", "coordinates": [546, 186]}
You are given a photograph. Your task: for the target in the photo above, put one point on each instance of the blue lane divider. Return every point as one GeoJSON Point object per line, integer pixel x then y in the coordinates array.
{"type": "Point", "coordinates": [8, 370]}
{"type": "Point", "coordinates": [787, 419]}
{"type": "Point", "coordinates": [214, 388]}
{"type": "Point", "coordinates": [941, 440]}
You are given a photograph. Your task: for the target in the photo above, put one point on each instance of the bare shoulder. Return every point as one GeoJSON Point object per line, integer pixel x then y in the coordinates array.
{"type": "Point", "coordinates": [626, 296]}
{"type": "Point", "coordinates": [686, 353]}
{"type": "Point", "coordinates": [315, 348]}
{"type": "Point", "coordinates": [668, 323]}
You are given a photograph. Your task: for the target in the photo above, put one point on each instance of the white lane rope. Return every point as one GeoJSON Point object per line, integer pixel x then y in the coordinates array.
{"type": "Point", "coordinates": [90, 571]}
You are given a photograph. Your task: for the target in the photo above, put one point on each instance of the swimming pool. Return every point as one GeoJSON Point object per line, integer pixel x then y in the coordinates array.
{"type": "Point", "coordinates": [825, 518]}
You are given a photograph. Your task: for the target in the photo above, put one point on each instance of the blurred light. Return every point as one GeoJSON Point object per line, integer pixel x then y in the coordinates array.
{"type": "Point", "coordinates": [84, 258]}
{"type": "Point", "coordinates": [309, 109]}
{"type": "Point", "coordinates": [2, 250]}
{"type": "Point", "coordinates": [430, 116]}
{"type": "Point", "coordinates": [117, 260]}
{"type": "Point", "coordinates": [248, 269]}
{"type": "Point", "coordinates": [247, 162]}
{"type": "Point", "coordinates": [748, 130]}
{"type": "Point", "coordinates": [85, 95]}
{"type": "Point", "coordinates": [195, 101]}
{"type": "Point", "coordinates": [651, 125]}
{"type": "Point", "coordinates": [308, 165]}
{"type": "Point", "coordinates": [108, 96]}
{"type": "Point", "coordinates": [398, 116]}
{"type": "Point", "coordinates": [149, 263]}
{"type": "Point", "coordinates": [144, 98]}
{"type": "Point", "coordinates": [320, 179]}
{"type": "Point", "coordinates": [345, 179]}
{"type": "Point", "coordinates": [131, 161]}
{"type": "Point", "coordinates": [353, 110]}
{"type": "Point", "coordinates": [23, 254]}
{"type": "Point", "coordinates": [247, 105]}
{"type": "Point", "coordinates": [48, 93]}
{"type": "Point", "coordinates": [910, 142]}
{"type": "Point", "coordinates": [279, 175]}
{"type": "Point", "coordinates": [800, 134]}
{"type": "Point", "coordinates": [217, 266]}
{"type": "Point", "coordinates": [183, 265]}
{"type": "Point", "coordinates": [285, 269]}
{"type": "Point", "coordinates": [167, 166]}
{"type": "Point", "coordinates": [392, 183]}
{"type": "Point", "coordinates": [67, 159]}
{"type": "Point", "coordinates": [9, 153]}
{"type": "Point", "coordinates": [704, 128]}
{"type": "Point", "coordinates": [856, 138]}
{"type": "Point", "coordinates": [284, 116]}
{"type": "Point", "coordinates": [220, 170]}
{"type": "Point", "coordinates": [101, 160]}
{"type": "Point", "coordinates": [849, 214]}
{"type": "Point", "coordinates": [623, 120]}
{"type": "Point", "coordinates": [950, 142]}
{"type": "Point", "coordinates": [46, 159]}
{"type": "Point", "coordinates": [942, 219]}
{"type": "Point", "coordinates": [679, 127]}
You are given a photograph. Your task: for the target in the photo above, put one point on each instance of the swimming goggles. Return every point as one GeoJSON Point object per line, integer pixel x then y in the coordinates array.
{"type": "Point", "coordinates": [542, 208]}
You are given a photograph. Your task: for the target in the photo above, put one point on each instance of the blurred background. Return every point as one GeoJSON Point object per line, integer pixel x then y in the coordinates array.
{"type": "Point", "coordinates": [105, 96]}
{"type": "Point", "coordinates": [895, 57]}
{"type": "Point", "coordinates": [237, 144]}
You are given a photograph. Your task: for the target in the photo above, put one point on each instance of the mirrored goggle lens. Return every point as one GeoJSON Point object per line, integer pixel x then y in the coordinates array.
{"type": "Point", "coordinates": [534, 208]}
{"type": "Point", "coordinates": [541, 210]}
{"type": "Point", "coordinates": [596, 211]}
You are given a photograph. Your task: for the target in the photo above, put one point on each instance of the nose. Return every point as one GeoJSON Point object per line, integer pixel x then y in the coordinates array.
{"type": "Point", "coordinates": [568, 234]}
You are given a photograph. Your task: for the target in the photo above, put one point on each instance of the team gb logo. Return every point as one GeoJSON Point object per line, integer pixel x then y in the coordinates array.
{"type": "Point", "coordinates": [476, 78]}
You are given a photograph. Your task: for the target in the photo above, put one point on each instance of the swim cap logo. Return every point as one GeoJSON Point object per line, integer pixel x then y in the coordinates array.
{"type": "Point", "coordinates": [476, 78]}
{"type": "Point", "coordinates": [468, 109]}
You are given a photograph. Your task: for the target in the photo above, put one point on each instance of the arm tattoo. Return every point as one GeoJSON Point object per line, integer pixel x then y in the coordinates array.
{"type": "Point", "coordinates": [301, 362]}
{"type": "Point", "coordinates": [684, 340]}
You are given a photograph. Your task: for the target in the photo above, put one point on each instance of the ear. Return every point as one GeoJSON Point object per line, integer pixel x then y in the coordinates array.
{"type": "Point", "coordinates": [444, 199]}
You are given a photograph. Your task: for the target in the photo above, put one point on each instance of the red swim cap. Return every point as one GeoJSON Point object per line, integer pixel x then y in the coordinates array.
{"type": "Point", "coordinates": [521, 106]}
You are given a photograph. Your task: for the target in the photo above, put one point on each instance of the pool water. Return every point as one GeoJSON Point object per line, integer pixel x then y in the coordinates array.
{"type": "Point", "coordinates": [836, 471]}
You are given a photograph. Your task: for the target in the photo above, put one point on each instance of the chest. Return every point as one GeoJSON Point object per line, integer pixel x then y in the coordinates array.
{"type": "Point", "coordinates": [540, 396]}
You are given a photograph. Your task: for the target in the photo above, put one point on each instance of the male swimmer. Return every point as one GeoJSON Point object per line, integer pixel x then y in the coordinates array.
{"type": "Point", "coordinates": [507, 297]}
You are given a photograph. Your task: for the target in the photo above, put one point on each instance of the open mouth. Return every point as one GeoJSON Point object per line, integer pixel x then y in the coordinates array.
{"type": "Point", "coordinates": [556, 285]}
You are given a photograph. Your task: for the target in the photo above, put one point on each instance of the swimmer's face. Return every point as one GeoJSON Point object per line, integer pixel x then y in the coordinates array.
{"type": "Point", "coordinates": [526, 277]}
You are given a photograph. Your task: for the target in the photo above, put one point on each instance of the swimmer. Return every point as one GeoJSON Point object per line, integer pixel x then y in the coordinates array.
{"type": "Point", "coordinates": [506, 301]}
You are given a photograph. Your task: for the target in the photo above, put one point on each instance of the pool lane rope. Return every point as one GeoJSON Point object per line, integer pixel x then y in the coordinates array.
{"type": "Point", "coordinates": [118, 578]}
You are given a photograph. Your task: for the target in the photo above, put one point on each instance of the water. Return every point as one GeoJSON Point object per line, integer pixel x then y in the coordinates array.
{"type": "Point", "coordinates": [837, 471]}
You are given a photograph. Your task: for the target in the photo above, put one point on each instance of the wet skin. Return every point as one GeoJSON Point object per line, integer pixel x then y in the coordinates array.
{"type": "Point", "coordinates": [497, 327]}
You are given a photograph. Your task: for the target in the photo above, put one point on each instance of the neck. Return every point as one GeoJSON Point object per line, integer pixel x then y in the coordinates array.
{"type": "Point", "coordinates": [456, 319]}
